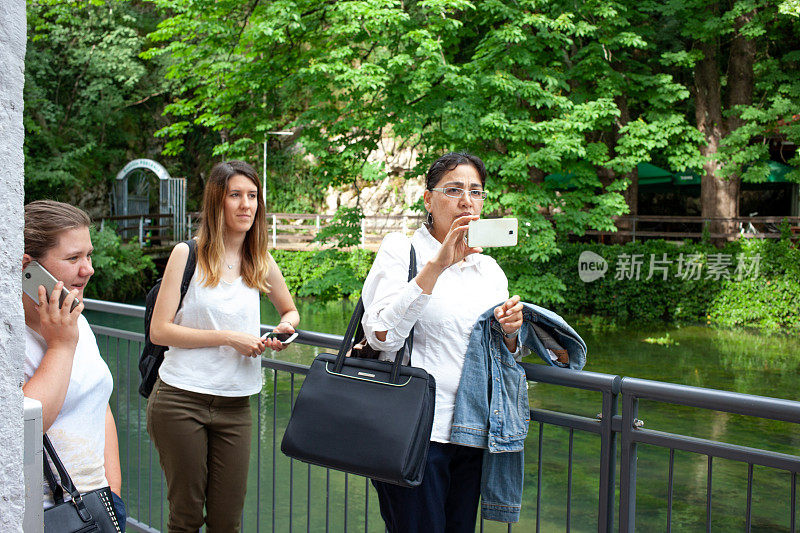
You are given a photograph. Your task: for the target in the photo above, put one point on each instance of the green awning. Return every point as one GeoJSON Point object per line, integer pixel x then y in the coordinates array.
{"type": "Point", "coordinates": [651, 175]}
{"type": "Point", "coordinates": [777, 172]}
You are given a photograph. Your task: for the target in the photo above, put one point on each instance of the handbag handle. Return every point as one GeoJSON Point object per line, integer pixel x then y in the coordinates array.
{"type": "Point", "coordinates": [355, 324]}
{"type": "Point", "coordinates": [64, 483]}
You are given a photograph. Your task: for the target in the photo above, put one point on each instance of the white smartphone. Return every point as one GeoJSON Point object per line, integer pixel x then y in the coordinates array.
{"type": "Point", "coordinates": [35, 275]}
{"type": "Point", "coordinates": [486, 232]}
{"type": "Point", "coordinates": [285, 338]}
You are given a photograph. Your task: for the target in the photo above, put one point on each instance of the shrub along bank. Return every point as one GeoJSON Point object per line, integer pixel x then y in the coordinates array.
{"type": "Point", "coordinates": [746, 283]}
{"type": "Point", "coordinates": [122, 272]}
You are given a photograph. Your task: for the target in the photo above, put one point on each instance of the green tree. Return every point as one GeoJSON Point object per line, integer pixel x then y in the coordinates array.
{"type": "Point", "coordinates": [738, 59]}
{"type": "Point", "coordinates": [489, 77]}
{"type": "Point", "coordinates": [534, 87]}
{"type": "Point", "coordinates": [91, 103]}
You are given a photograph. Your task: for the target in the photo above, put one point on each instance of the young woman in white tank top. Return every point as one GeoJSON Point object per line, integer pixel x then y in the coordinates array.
{"type": "Point", "coordinates": [198, 414]}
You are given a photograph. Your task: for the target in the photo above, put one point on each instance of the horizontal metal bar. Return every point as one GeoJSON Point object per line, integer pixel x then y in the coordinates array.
{"type": "Point", "coordinates": [311, 338]}
{"type": "Point", "coordinates": [114, 308]}
{"type": "Point", "coordinates": [132, 524]}
{"type": "Point", "coordinates": [723, 450]}
{"type": "Point", "coordinates": [716, 400]}
{"type": "Point", "coordinates": [285, 366]}
{"type": "Point", "coordinates": [582, 423]}
{"type": "Point", "coordinates": [572, 378]}
{"type": "Point", "coordinates": [119, 333]}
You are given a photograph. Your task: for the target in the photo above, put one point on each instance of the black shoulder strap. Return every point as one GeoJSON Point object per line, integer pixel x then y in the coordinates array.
{"type": "Point", "coordinates": [188, 272]}
{"type": "Point", "coordinates": [64, 480]}
{"type": "Point", "coordinates": [412, 273]}
{"type": "Point", "coordinates": [355, 326]}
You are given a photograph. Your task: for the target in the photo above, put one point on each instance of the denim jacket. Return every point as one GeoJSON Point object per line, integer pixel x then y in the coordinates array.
{"type": "Point", "coordinates": [492, 410]}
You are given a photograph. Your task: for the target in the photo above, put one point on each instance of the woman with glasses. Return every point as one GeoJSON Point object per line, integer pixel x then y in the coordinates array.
{"type": "Point", "coordinates": [455, 284]}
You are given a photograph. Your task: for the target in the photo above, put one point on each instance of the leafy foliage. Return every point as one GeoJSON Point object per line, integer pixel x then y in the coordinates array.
{"type": "Point", "coordinates": [83, 81]}
{"type": "Point", "coordinates": [582, 89]}
{"type": "Point", "coordinates": [344, 229]}
{"type": "Point", "coordinates": [533, 88]}
{"type": "Point", "coordinates": [122, 272]}
{"type": "Point", "coordinates": [326, 275]}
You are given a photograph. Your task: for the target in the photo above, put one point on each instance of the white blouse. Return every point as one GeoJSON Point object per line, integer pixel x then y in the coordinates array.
{"type": "Point", "coordinates": [442, 320]}
{"type": "Point", "coordinates": [216, 370]}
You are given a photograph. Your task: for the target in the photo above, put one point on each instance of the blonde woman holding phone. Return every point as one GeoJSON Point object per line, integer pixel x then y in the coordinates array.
{"type": "Point", "coordinates": [198, 414]}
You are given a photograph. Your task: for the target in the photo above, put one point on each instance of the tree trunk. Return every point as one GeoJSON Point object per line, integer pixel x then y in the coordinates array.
{"type": "Point", "coordinates": [741, 82]}
{"type": "Point", "coordinates": [631, 194]}
{"type": "Point", "coordinates": [720, 197]}
{"type": "Point", "coordinates": [708, 115]}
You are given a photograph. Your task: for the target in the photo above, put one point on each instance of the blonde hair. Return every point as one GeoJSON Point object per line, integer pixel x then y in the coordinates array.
{"type": "Point", "coordinates": [45, 220]}
{"type": "Point", "coordinates": [210, 246]}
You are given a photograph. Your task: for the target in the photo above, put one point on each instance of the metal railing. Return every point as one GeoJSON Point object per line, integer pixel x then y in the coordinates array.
{"type": "Point", "coordinates": [286, 495]}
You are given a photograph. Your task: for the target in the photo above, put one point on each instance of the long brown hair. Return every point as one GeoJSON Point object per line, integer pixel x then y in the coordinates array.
{"type": "Point", "coordinates": [44, 222]}
{"type": "Point", "coordinates": [210, 247]}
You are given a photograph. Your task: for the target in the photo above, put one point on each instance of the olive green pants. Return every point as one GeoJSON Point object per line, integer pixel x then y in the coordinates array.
{"type": "Point", "coordinates": [203, 443]}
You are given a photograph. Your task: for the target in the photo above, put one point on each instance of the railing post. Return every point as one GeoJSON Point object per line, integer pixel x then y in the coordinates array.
{"type": "Point", "coordinates": [405, 224]}
{"type": "Point", "coordinates": [634, 228]}
{"type": "Point", "coordinates": [274, 230]}
{"type": "Point", "coordinates": [628, 457]}
{"type": "Point", "coordinates": [608, 460]}
{"type": "Point", "coordinates": [141, 232]}
{"type": "Point", "coordinates": [363, 232]}
{"type": "Point", "coordinates": [316, 223]}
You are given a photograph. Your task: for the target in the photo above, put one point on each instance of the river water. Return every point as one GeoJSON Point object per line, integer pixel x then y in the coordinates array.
{"type": "Point", "coordinates": [699, 356]}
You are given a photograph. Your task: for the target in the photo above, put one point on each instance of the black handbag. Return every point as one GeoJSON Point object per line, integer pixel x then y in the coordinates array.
{"type": "Point", "coordinates": [84, 513]}
{"type": "Point", "coordinates": [365, 417]}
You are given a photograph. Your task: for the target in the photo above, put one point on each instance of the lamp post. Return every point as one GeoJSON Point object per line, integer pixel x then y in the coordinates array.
{"type": "Point", "coordinates": [282, 132]}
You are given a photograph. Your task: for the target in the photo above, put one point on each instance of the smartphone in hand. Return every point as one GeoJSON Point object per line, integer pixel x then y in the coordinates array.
{"type": "Point", "coordinates": [285, 338]}
{"type": "Point", "coordinates": [487, 232]}
{"type": "Point", "coordinates": [35, 275]}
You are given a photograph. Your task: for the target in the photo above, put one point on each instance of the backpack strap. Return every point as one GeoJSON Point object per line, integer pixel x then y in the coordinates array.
{"type": "Point", "coordinates": [188, 272]}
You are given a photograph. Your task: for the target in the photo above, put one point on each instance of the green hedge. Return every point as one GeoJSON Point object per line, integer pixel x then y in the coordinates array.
{"type": "Point", "coordinates": [122, 272]}
{"type": "Point", "coordinates": [326, 275]}
{"type": "Point", "coordinates": [768, 299]}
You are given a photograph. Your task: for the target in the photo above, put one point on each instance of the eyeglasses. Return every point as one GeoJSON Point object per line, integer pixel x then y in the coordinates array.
{"type": "Point", "coordinates": [458, 192]}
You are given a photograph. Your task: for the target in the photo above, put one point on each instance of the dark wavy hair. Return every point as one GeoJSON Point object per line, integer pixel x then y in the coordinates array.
{"type": "Point", "coordinates": [450, 161]}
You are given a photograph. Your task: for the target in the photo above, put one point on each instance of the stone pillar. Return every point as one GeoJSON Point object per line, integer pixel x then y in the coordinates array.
{"type": "Point", "coordinates": [12, 322]}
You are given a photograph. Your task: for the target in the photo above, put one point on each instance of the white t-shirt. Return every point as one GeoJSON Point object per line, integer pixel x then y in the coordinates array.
{"type": "Point", "coordinates": [216, 370]}
{"type": "Point", "coordinates": [79, 431]}
{"type": "Point", "coordinates": [442, 321]}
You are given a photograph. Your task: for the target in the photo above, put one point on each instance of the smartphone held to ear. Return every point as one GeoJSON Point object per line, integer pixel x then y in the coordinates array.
{"type": "Point", "coordinates": [34, 275]}
{"type": "Point", "coordinates": [285, 338]}
{"type": "Point", "coordinates": [489, 232]}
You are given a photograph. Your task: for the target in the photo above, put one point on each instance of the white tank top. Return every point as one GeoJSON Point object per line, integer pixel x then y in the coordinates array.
{"type": "Point", "coordinates": [217, 370]}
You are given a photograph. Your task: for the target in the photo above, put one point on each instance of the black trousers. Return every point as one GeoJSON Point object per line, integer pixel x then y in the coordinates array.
{"type": "Point", "coordinates": [447, 499]}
